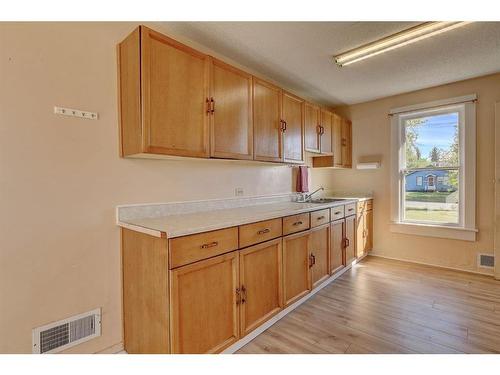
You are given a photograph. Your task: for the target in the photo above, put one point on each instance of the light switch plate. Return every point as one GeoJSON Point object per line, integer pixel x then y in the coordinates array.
{"type": "Point", "coordinates": [75, 113]}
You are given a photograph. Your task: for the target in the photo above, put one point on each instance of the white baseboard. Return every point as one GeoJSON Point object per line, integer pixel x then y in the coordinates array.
{"type": "Point", "coordinates": [431, 264]}
{"type": "Point", "coordinates": [245, 340]}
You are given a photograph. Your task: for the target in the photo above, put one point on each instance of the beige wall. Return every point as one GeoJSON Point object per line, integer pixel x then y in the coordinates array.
{"type": "Point", "coordinates": [61, 178]}
{"type": "Point", "coordinates": [371, 136]}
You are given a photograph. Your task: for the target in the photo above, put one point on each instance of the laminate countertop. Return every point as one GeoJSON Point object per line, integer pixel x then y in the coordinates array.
{"type": "Point", "coordinates": [177, 225]}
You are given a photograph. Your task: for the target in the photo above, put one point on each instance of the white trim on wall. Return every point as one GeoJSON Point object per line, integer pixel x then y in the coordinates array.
{"type": "Point", "coordinates": [466, 230]}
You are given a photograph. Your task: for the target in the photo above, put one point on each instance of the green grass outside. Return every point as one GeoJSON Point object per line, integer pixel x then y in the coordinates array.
{"type": "Point", "coordinates": [420, 196]}
{"type": "Point", "coordinates": [442, 216]}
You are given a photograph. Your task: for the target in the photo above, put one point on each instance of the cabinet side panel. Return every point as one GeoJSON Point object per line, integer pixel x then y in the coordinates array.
{"type": "Point", "coordinates": [145, 293]}
{"type": "Point", "coordinates": [129, 101]}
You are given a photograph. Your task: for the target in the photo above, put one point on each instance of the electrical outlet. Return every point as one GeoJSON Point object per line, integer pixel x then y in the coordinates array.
{"type": "Point", "coordinates": [238, 192]}
{"type": "Point", "coordinates": [75, 113]}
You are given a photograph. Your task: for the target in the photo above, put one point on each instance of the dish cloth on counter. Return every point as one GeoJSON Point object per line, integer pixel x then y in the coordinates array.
{"type": "Point", "coordinates": [302, 180]}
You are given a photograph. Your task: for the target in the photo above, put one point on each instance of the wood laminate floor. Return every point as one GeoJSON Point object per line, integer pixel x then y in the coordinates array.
{"type": "Point", "coordinates": [388, 306]}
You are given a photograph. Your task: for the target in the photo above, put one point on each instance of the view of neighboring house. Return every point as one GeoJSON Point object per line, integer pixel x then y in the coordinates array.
{"type": "Point", "coordinates": [428, 180]}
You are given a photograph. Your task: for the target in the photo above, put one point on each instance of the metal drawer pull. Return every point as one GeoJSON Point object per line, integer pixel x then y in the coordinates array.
{"type": "Point", "coordinates": [211, 244]}
{"type": "Point", "coordinates": [298, 223]}
{"type": "Point", "coordinates": [320, 218]}
{"type": "Point", "coordinates": [264, 231]}
{"type": "Point", "coordinates": [337, 213]}
{"type": "Point", "coordinates": [350, 209]}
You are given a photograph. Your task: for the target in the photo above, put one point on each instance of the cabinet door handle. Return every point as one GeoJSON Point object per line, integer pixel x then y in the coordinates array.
{"type": "Point", "coordinates": [320, 218]}
{"type": "Point", "coordinates": [344, 142]}
{"type": "Point", "coordinates": [350, 210]}
{"type": "Point", "coordinates": [310, 261]}
{"type": "Point", "coordinates": [322, 130]}
{"type": "Point", "coordinates": [314, 259]}
{"type": "Point", "coordinates": [347, 242]}
{"type": "Point", "coordinates": [337, 213]}
{"type": "Point", "coordinates": [244, 294]}
{"type": "Point", "coordinates": [238, 296]}
{"type": "Point", "coordinates": [212, 109]}
{"type": "Point", "coordinates": [209, 106]}
{"type": "Point", "coordinates": [318, 129]}
{"type": "Point", "coordinates": [211, 244]}
{"type": "Point", "coordinates": [264, 231]}
{"type": "Point", "coordinates": [284, 126]}
{"type": "Point", "coordinates": [298, 223]}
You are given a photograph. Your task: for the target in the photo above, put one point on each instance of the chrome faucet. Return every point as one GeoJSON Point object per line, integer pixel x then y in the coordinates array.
{"type": "Point", "coordinates": [307, 198]}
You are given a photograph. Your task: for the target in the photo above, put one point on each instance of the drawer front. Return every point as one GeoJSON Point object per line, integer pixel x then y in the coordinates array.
{"type": "Point", "coordinates": [295, 223]}
{"type": "Point", "coordinates": [320, 217]}
{"type": "Point", "coordinates": [350, 209]}
{"type": "Point", "coordinates": [337, 213]}
{"type": "Point", "coordinates": [254, 233]}
{"type": "Point", "coordinates": [189, 249]}
{"type": "Point", "coordinates": [369, 205]}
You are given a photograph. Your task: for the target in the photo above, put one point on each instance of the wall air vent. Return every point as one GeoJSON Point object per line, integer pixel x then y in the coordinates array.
{"type": "Point", "coordinates": [486, 260]}
{"type": "Point", "coordinates": [64, 334]}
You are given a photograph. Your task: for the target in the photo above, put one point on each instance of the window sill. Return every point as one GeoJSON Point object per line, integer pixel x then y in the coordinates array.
{"type": "Point", "coordinates": [439, 231]}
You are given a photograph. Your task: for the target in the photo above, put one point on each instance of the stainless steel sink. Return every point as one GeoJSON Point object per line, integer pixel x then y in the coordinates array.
{"type": "Point", "coordinates": [325, 200]}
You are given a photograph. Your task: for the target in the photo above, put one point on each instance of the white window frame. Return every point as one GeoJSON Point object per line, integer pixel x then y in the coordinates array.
{"type": "Point", "coordinates": [421, 181]}
{"type": "Point", "coordinates": [466, 228]}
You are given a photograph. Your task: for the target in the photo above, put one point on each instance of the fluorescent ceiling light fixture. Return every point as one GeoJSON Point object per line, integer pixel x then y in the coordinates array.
{"type": "Point", "coordinates": [403, 38]}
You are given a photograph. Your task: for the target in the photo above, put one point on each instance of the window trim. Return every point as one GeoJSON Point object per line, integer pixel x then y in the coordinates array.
{"type": "Point", "coordinates": [466, 229]}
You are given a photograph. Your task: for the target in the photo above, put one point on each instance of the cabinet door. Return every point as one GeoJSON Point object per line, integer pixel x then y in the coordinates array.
{"type": "Point", "coordinates": [326, 132]}
{"type": "Point", "coordinates": [369, 230]}
{"type": "Point", "coordinates": [337, 246]}
{"type": "Point", "coordinates": [319, 245]}
{"type": "Point", "coordinates": [267, 121]}
{"type": "Point", "coordinates": [311, 125]}
{"type": "Point", "coordinates": [350, 239]}
{"type": "Point", "coordinates": [261, 284]}
{"type": "Point", "coordinates": [346, 143]}
{"type": "Point", "coordinates": [293, 134]}
{"type": "Point", "coordinates": [337, 140]}
{"type": "Point", "coordinates": [203, 305]}
{"type": "Point", "coordinates": [174, 89]}
{"type": "Point", "coordinates": [360, 234]}
{"type": "Point", "coordinates": [231, 125]}
{"type": "Point", "coordinates": [296, 275]}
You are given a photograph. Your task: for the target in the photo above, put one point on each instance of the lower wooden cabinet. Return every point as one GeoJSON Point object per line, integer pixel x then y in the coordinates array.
{"type": "Point", "coordinates": [296, 275]}
{"type": "Point", "coordinates": [204, 314]}
{"type": "Point", "coordinates": [261, 284]}
{"type": "Point", "coordinates": [364, 231]}
{"type": "Point", "coordinates": [337, 229]}
{"type": "Point", "coordinates": [350, 239]}
{"type": "Point", "coordinates": [319, 248]}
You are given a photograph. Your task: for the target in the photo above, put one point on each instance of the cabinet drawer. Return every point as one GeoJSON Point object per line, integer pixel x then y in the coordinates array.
{"type": "Point", "coordinates": [295, 223]}
{"type": "Point", "coordinates": [251, 234]}
{"type": "Point", "coordinates": [337, 213]}
{"type": "Point", "coordinates": [189, 249]}
{"type": "Point", "coordinates": [320, 217]}
{"type": "Point", "coordinates": [350, 209]}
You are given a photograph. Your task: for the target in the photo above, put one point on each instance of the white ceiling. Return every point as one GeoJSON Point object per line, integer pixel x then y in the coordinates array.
{"type": "Point", "coordinates": [298, 55]}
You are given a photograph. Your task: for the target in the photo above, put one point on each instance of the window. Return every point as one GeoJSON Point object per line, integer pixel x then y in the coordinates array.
{"type": "Point", "coordinates": [434, 168]}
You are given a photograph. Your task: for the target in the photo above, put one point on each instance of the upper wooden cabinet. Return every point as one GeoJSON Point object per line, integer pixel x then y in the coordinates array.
{"type": "Point", "coordinates": [312, 127]}
{"type": "Point", "coordinates": [231, 116]}
{"type": "Point", "coordinates": [339, 144]}
{"type": "Point", "coordinates": [346, 143]}
{"type": "Point", "coordinates": [267, 126]}
{"type": "Point", "coordinates": [163, 91]}
{"type": "Point", "coordinates": [293, 128]}
{"type": "Point", "coordinates": [326, 132]}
